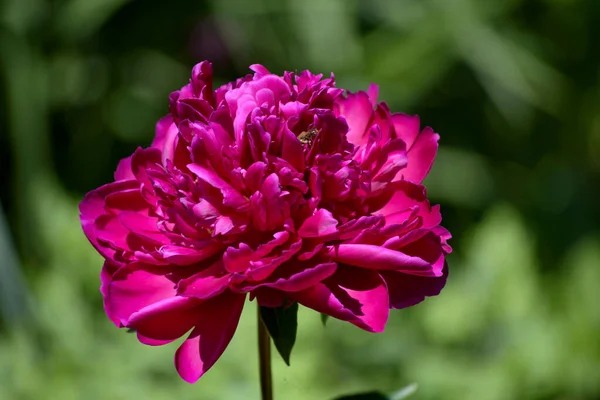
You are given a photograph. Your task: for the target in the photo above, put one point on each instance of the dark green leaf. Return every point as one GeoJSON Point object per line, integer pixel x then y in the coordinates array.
{"type": "Point", "coordinates": [130, 330]}
{"type": "Point", "coordinates": [324, 318]}
{"type": "Point", "coordinates": [282, 323]}
{"type": "Point", "coordinates": [364, 396]}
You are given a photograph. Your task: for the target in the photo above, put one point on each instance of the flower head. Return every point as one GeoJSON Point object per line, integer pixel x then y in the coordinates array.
{"type": "Point", "coordinates": [283, 188]}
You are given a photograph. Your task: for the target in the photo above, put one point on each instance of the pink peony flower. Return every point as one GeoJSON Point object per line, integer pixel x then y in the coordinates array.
{"type": "Point", "coordinates": [285, 188]}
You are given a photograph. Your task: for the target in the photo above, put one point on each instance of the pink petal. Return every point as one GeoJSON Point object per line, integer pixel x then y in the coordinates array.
{"type": "Point", "coordinates": [303, 279]}
{"type": "Point", "coordinates": [231, 197]}
{"type": "Point", "coordinates": [420, 156]}
{"type": "Point", "coordinates": [295, 276]}
{"type": "Point", "coordinates": [217, 321]}
{"type": "Point", "coordinates": [259, 70]}
{"type": "Point", "coordinates": [321, 223]}
{"type": "Point", "coordinates": [358, 111]}
{"type": "Point", "coordinates": [205, 284]}
{"type": "Point", "coordinates": [165, 138]}
{"type": "Point", "coordinates": [352, 294]}
{"type": "Point", "coordinates": [132, 288]}
{"type": "Point", "coordinates": [124, 171]}
{"type": "Point", "coordinates": [98, 223]}
{"type": "Point", "coordinates": [144, 226]}
{"type": "Point", "coordinates": [404, 196]}
{"type": "Point", "coordinates": [168, 319]}
{"type": "Point", "coordinates": [406, 127]}
{"type": "Point", "coordinates": [108, 270]}
{"type": "Point", "coordinates": [92, 205]}
{"type": "Point", "coordinates": [381, 258]}
{"type": "Point", "coordinates": [187, 255]}
{"type": "Point", "coordinates": [373, 92]}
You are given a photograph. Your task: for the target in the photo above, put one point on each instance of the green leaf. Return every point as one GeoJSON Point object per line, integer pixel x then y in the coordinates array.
{"type": "Point", "coordinates": [324, 318]}
{"type": "Point", "coordinates": [364, 396]}
{"type": "Point", "coordinates": [282, 323]}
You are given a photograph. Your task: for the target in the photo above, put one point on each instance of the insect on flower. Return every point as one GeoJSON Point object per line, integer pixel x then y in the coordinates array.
{"type": "Point", "coordinates": [308, 136]}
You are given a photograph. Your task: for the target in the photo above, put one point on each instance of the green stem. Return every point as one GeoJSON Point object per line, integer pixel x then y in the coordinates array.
{"type": "Point", "coordinates": [264, 359]}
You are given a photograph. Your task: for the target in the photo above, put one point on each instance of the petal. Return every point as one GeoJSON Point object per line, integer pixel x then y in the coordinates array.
{"type": "Point", "coordinates": [321, 223]}
{"type": "Point", "coordinates": [420, 156]}
{"type": "Point", "coordinates": [205, 284]}
{"type": "Point", "coordinates": [168, 319]}
{"type": "Point", "coordinates": [180, 255]}
{"type": "Point", "coordinates": [92, 205]}
{"type": "Point", "coordinates": [151, 342]}
{"type": "Point", "coordinates": [108, 270]}
{"type": "Point", "coordinates": [381, 258]}
{"type": "Point", "coordinates": [165, 138]}
{"type": "Point", "coordinates": [144, 226]}
{"type": "Point", "coordinates": [352, 294]}
{"type": "Point", "coordinates": [373, 92]}
{"type": "Point", "coordinates": [132, 288]}
{"type": "Point", "coordinates": [217, 321]}
{"type": "Point", "coordinates": [295, 275]}
{"type": "Point", "coordinates": [98, 223]}
{"type": "Point", "coordinates": [124, 171]}
{"type": "Point", "coordinates": [358, 111]}
{"type": "Point", "coordinates": [404, 196]}
{"type": "Point", "coordinates": [406, 127]}
{"type": "Point", "coordinates": [408, 290]}
{"type": "Point", "coordinates": [231, 197]}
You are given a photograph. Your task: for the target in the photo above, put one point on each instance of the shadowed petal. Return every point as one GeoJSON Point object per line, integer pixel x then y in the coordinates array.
{"type": "Point", "coordinates": [408, 290]}
{"type": "Point", "coordinates": [296, 275]}
{"type": "Point", "coordinates": [352, 294]}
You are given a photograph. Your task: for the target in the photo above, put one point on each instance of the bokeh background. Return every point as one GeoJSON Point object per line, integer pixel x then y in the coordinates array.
{"type": "Point", "coordinates": [512, 86]}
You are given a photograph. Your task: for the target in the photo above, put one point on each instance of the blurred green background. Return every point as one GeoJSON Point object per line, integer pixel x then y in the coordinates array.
{"type": "Point", "coordinates": [512, 86]}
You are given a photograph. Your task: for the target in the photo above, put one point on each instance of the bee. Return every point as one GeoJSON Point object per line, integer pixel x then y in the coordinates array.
{"type": "Point", "coordinates": [308, 136]}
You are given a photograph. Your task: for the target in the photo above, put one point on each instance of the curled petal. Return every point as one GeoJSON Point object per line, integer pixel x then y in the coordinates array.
{"type": "Point", "coordinates": [381, 258]}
